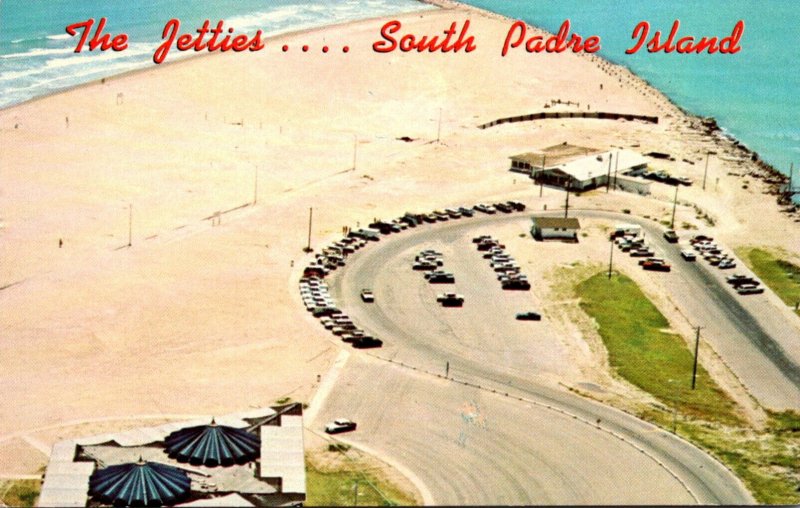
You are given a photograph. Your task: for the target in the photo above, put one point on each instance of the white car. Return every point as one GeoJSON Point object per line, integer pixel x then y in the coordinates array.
{"type": "Point", "coordinates": [688, 255]}
{"type": "Point", "coordinates": [367, 295]}
{"type": "Point", "coordinates": [340, 425]}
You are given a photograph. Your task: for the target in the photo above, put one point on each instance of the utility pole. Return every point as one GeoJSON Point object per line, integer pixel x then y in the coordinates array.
{"type": "Point", "coordinates": [705, 173]}
{"type": "Point", "coordinates": [616, 167]}
{"type": "Point", "coordinates": [355, 150]}
{"type": "Point", "coordinates": [439, 129]}
{"type": "Point", "coordinates": [696, 350]}
{"type": "Point", "coordinates": [608, 175]}
{"type": "Point", "coordinates": [130, 224]}
{"type": "Point", "coordinates": [447, 370]}
{"type": "Point", "coordinates": [610, 259]}
{"type": "Point", "coordinates": [541, 176]}
{"type": "Point", "coordinates": [255, 187]}
{"type": "Point", "coordinates": [674, 205]}
{"type": "Point", "coordinates": [566, 203]}
{"type": "Point", "coordinates": [310, 215]}
{"type": "Point", "coordinates": [355, 494]}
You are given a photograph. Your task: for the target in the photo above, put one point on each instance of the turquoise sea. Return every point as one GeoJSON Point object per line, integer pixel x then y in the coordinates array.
{"type": "Point", "coordinates": [752, 94]}
{"type": "Point", "coordinates": [37, 55]}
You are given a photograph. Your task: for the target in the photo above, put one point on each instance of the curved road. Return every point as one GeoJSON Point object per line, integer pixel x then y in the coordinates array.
{"type": "Point", "coordinates": [470, 445]}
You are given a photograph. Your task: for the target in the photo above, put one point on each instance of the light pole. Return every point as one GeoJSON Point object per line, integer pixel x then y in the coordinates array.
{"type": "Point", "coordinates": [566, 203]}
{"type": "Point", "coordinates": [674, 204]}
{"type": "Point", "coordinates": [310, 215]}
{"type": "Point", "coordinates": [130, 223]}
{"type": "Point", "coordinates": [696, 350]}
{"type": "Point", "coordinates": [705, 173]}
{"type": "Point", "coordinates": [610, 259]}
{"type": "Point", "coordinates": [608, 175]}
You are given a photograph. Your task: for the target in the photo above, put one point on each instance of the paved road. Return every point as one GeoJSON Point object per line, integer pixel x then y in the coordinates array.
{"type": "Point", "coordinates": [383, 398]}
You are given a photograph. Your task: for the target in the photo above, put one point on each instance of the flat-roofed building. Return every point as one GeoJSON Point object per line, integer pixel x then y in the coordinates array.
{"type": "Point", "coordinates": [555, 228]}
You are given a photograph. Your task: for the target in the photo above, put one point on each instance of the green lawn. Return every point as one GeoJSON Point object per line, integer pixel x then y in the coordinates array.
{"type": "Point", "coordinates": [660, 363]}
{"type": "Point", "coordinates": [640, 351]}
{"type": "Point", "coordinates": [19, 492]}
{"type": "Point", "coordinates": [779, 275]}
{"type": "Point", "coordinates": [337, 488]}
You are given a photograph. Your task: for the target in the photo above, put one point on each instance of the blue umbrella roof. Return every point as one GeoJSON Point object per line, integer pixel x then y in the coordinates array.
{"type": "Point", "coordinates": [213, 445]}
{"type": "Point", "coordinates": [139, 484]}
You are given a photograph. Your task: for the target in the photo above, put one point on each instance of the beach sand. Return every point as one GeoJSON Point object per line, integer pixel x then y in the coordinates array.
{"type": "Point", "coordinates": [201, 315]}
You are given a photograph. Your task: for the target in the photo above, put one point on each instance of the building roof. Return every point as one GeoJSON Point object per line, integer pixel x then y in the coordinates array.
{"type": "Point", "coordinates": [282, 453]}
{"type": "Point", "coordinates": [556, 222]}
{"type": "Point", "coordinates": [213, 445]}
{"type": "Point", "coordinates": [554, 155]}
{"type": "Point", "coordinates": [140, 484]}
{"type": "Point", "coordinates": [593, 166]}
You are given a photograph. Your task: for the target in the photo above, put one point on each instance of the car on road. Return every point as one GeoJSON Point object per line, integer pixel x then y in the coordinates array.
{"type": "Point", "coordinates": [726, 264]}
{"type": "Point", "coordinates": [749, 289]}
{"type": "Point", "coordinates": [423, 266]}
{"type": "Point", "coordinates": [529, 316]}
{"type": "Point", "coordinates": [441, 278]}
{"type": "Point", "coordinates": [450, 299]}
{"type": "Point", "coordinates": [366, 341]}
{"type": "Point", "coordinates": [516, 284]}
{"type": "Point", "coordinates": [367, 295]}
{"type": "Point", "coordinates": [671, 236]}
{"type": "Point", "coordinates": [656, 266]}
{"type": "Point", "coordinates": [688, 255]}
{"type": "Point", "coordinates": [340, 425]}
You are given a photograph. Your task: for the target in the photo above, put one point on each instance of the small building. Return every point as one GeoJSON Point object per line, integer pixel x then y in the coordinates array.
{"type": "Point", "coordinates": [555, 228]}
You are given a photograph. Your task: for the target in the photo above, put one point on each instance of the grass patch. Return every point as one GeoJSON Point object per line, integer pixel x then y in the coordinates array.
{"type": "Point", "coordinates": [641, 351]}
{"type": "Point", "coordinates": [19, 492]}
{"type": "Point", "coordinates": [781, 276]}
{"type": "Point", "coordinates": [336, 486]}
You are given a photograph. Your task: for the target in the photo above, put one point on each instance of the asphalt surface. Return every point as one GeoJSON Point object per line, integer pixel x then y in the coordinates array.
{"type": "Point", "coordinates": [401, 411]}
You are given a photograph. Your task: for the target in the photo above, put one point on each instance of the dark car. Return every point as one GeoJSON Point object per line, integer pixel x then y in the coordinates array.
{"type": "Point", "coordinates": [366, 341]}
{"type": "Point", "coordinates": [516, 284]}
{"type": "Point", "coordinates": [671, 236]}
{"type": "Point", "coordinates": [656, 267]}
{"type": "Point", "coordinates": [529, 316]}
{"type": "Point", "coordinates": [442, 278]}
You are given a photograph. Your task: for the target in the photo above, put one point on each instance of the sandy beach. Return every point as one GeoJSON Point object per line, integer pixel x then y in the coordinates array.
{"type": "Point", "coordinates": [215, 161]}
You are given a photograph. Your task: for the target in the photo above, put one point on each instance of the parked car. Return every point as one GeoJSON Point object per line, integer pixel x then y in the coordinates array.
{"type": "Point", "coordinates": [367, 295]}
{"type": "Point", "coordinates": [749, 289]}
{"type": "Point", "coordinates": [529, 316]}
{"type": "Point", "coordinates": [366, 341]}
{"type": "Point", "coordinates": [442, 278]}
{"type": "Point", "coordinates": [726, 264]}
{"type": "Point", "coordinates": [340, 425]}
{"type": "Point", "coordinates": [423, 266]}
{"type": "Point", "coordinates": [517, 284]}
{"type": "Point", "coordinates": [656, 266]}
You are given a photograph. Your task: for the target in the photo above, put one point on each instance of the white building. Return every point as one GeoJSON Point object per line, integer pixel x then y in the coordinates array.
{"type": "Point", "coordinates": [555, 228]}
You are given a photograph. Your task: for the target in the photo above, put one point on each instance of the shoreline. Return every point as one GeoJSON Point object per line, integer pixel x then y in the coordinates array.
{"type": "Point", "coordinates": [771, 172]}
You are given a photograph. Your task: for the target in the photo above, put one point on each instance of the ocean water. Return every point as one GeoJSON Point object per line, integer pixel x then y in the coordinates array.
{"type": "Point", "coordinates": [37, 55]}
{"type": "Point", "coordinates": [753, 94]}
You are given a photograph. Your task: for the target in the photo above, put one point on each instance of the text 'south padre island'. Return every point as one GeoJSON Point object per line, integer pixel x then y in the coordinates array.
{"type": "Point", "coordinates": [452, 40]}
